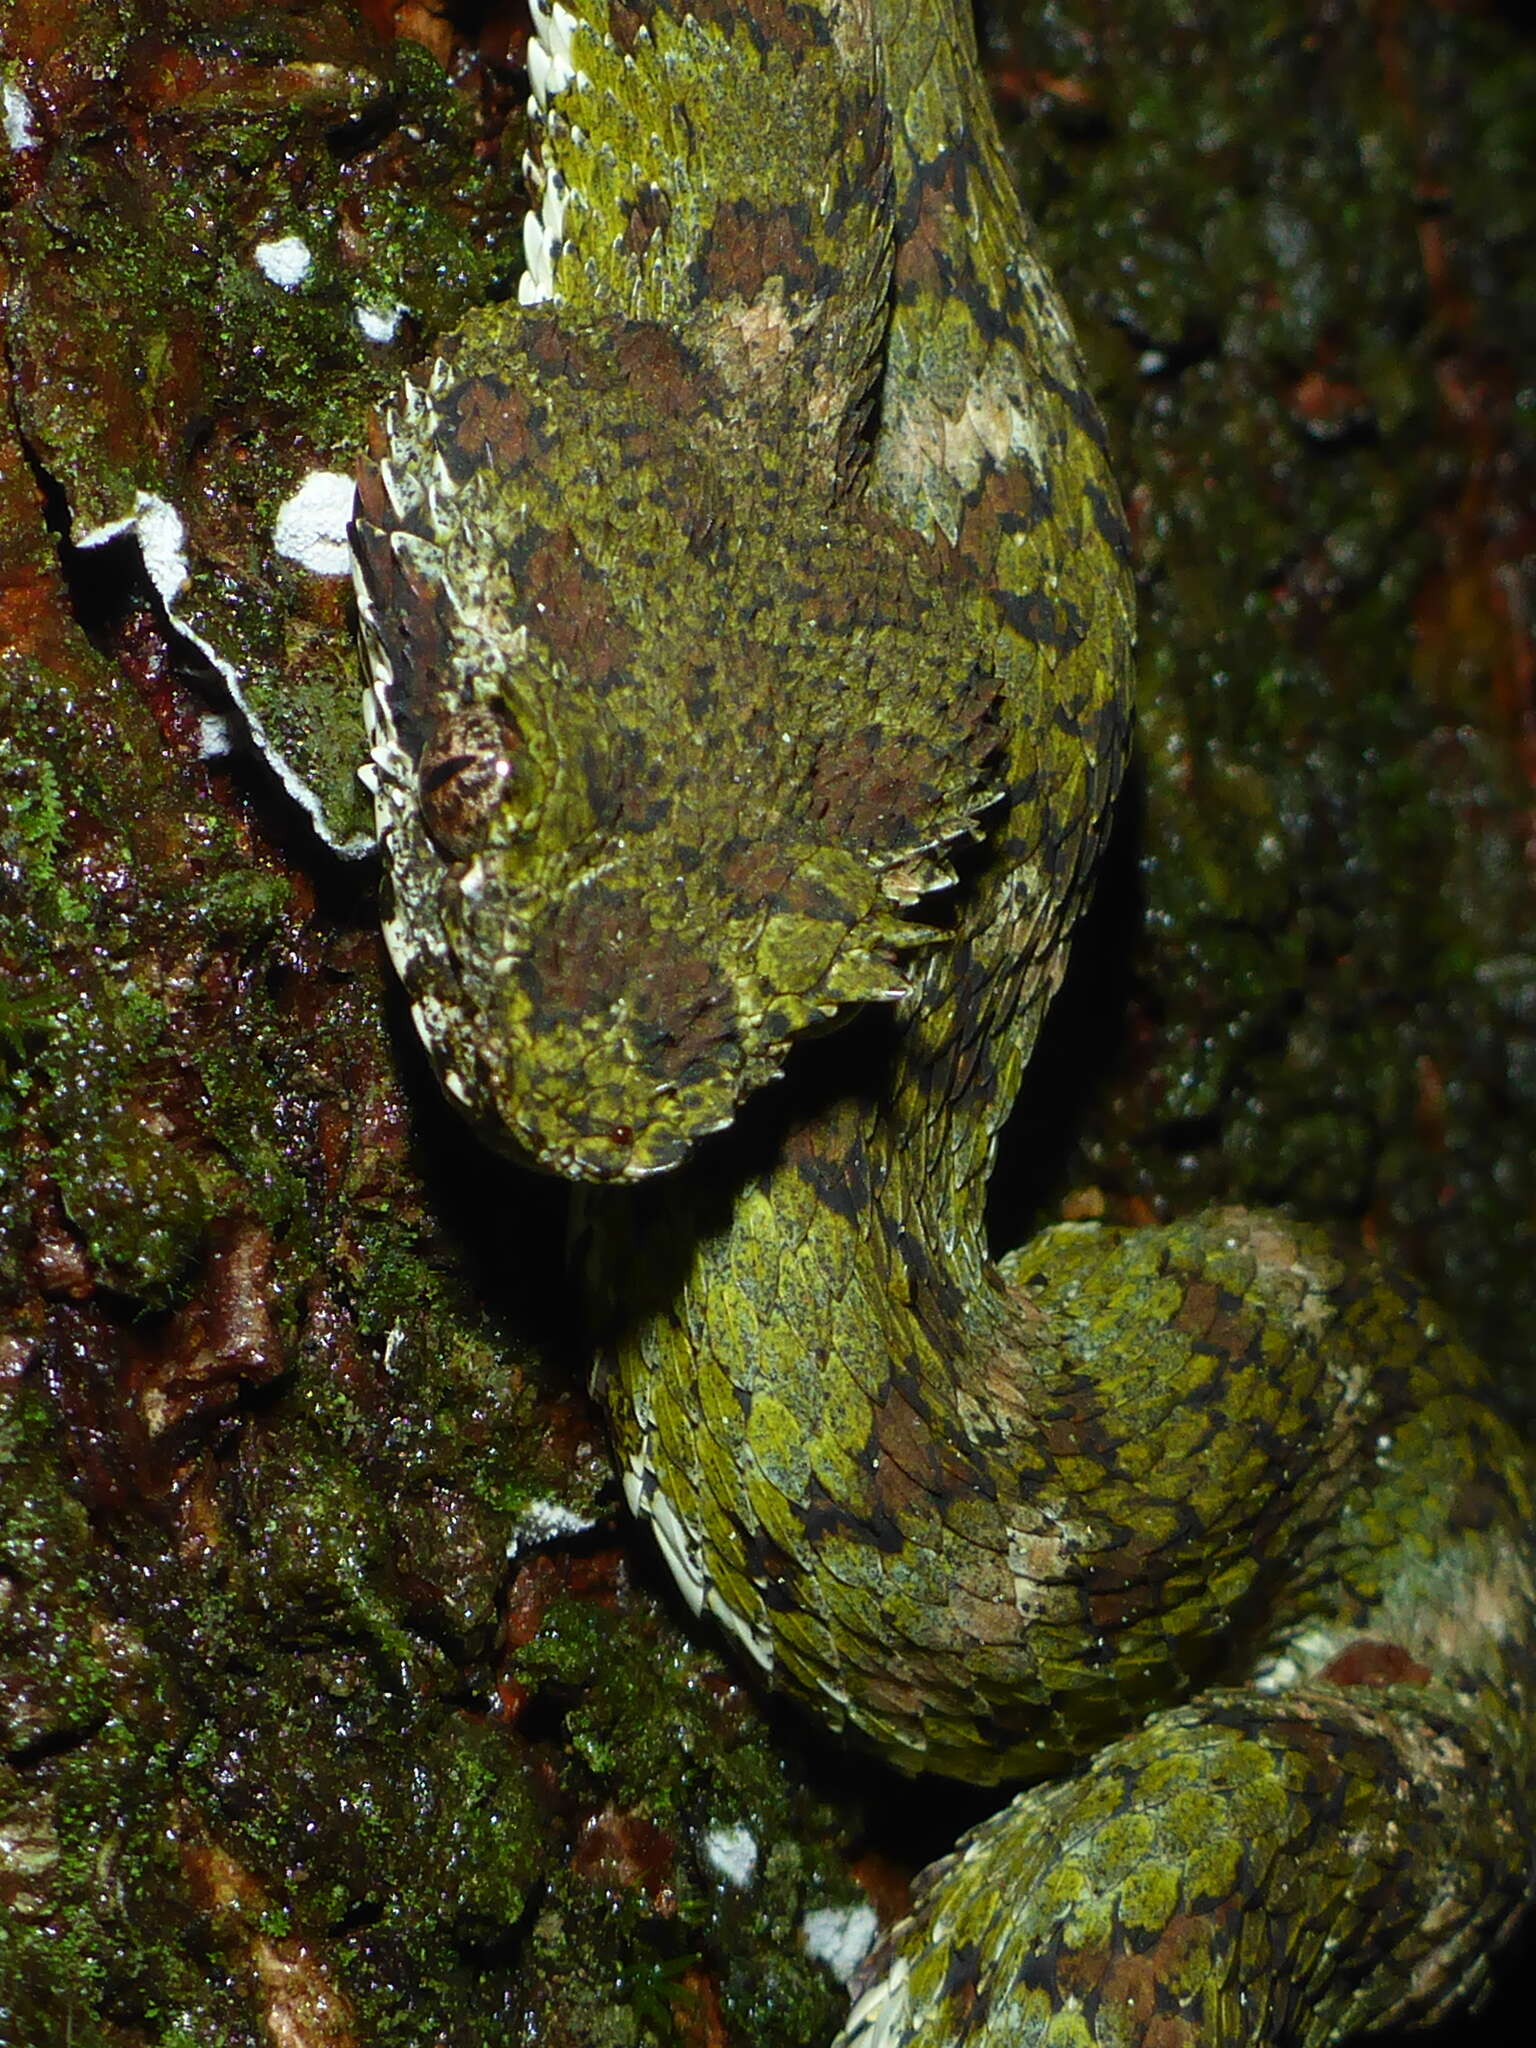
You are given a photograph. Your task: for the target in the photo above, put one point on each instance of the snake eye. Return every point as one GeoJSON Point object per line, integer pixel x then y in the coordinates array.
{"type": "Point", "coordinates": [473, 766]}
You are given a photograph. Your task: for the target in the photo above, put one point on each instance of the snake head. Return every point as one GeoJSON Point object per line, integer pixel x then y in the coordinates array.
{"type": "Point", "coordinates": [656, 785]}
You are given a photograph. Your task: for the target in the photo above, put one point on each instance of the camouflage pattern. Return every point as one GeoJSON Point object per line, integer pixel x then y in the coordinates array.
{"type": "Point", "coordinates": [748, 621]}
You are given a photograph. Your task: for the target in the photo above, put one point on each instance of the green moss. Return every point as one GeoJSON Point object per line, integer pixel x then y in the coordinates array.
{"type": "Point", "coordinates": [156, 354]}
{"type": "Point", "coordinates": [88, 1737]}
{"type": "Point", "coordinates": [135, 1200]}
{"type": "Point", "coordinates": [662, 1756]}
{"type": "Point", "coordinates": [87, 1040]}
{"type": "Point", "coordinates": [279, 1635]}
{"type": "Point", "coordinates": [300, 1765]}
{"type": "Point", "coordinates": [1333, 799]}
{"type": "Point", "coordinates": [55, 1676]}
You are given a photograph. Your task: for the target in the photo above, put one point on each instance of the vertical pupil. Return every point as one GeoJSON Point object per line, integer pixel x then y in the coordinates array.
{"type": "Point", "coordinates": [445, 771]}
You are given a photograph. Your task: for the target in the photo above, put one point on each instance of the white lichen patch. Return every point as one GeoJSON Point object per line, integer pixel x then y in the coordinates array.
{"type": "Point", "coordinates": [286, 260]}
{"type": "Point", "coordinates": [157, 526]}
{"type": "Point", "coordinates": [731, 1852]}
{"type": "Point", "coordinates": [379, 323]}
{"type": "Point", "coordinates": [839, 1936]}
{"type": "Point", "coordinates": [545, 1521]}
{"type": "Point", "coordinates": [162, 537]}
{"type": "Point", "coordinates": [20, 127]}
{"type": "Point", "coordinates": [215, 736]}
{"type": "Point", "coordinates": [311, 524]}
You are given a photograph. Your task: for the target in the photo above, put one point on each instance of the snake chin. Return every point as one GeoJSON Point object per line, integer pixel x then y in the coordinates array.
{"type": "Point", "coordinates": [584, 1109]}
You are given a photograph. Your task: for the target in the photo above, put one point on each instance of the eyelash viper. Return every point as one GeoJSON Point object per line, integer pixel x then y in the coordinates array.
{"type": "Point", "coordinates": [749, 628]}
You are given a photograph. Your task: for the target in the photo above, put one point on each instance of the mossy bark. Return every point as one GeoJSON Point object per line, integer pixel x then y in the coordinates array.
{"type": "Point", "coordinates": [286, 1367]}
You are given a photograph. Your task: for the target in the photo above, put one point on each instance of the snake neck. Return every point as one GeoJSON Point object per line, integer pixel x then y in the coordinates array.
{"type": "Point", "coordinates": [914, 1487]}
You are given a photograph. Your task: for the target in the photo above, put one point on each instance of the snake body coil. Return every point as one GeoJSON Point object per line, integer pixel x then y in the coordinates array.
{"type": "Point", "coordinates": [749, 627]}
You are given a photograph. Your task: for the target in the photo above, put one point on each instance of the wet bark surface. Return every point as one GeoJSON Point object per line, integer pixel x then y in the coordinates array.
{"type": "Point", "coordinates": [291, 1748]}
